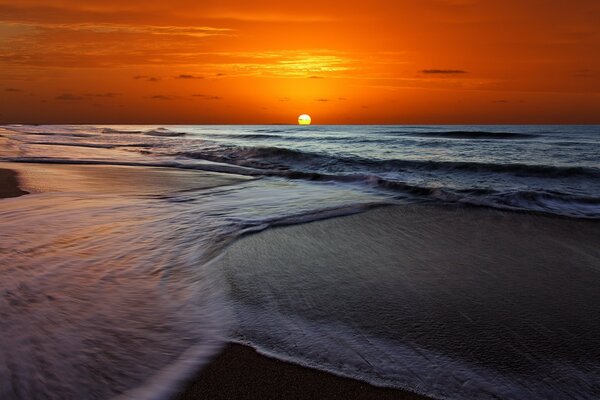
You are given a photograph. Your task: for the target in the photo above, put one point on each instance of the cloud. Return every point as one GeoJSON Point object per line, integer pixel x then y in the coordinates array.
{"type": "Point", "coordinates": [500, 101]}
{"type": "Point", "coordinates": [315, 77]}
{"type": "Point", "coordinates": [322, 100]}
{"type": "Point", "coordinates": [443, 71]}
{"type": "Point", "coordinates": [188, 76]}
{"type": "Point", "coordinates": [342, 98]}
{"type": "Point", "coordinates": [107, 95]}
{"type": "Point", "coordinates": [207, 97]}
{"type": "Point", "coordinates": [13, 90]}
{"type": "Point", "coordinates": [284, 99]}
{"type": "Point", "coordinates": [108, 28]}
{"type": "Point", "coordinates": [146, 78]}
{"type": "Point", "coordinates": [583, 73]}
{"type": "Point", "coordinates": [284, 63]}
{"type": "Point", "coordinates": [69, 97]}
{"type": "Point", "coordinates": [160, 97]}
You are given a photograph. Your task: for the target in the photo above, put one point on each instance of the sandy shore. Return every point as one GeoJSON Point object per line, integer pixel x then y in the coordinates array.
{"type": "Point", "coordinates": [109, 179]}
{"type": "Point", "coordinates": [239, 372]}
{"type": "Point", "coordinates": [482, 287]}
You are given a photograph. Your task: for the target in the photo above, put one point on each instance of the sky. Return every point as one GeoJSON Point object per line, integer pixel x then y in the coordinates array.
{"type": "Point", "coordinates": [267, 61]}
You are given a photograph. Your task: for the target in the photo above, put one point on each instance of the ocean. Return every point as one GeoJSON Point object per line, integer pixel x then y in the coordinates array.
{"type": "Point", "coordinates": [466, 264]}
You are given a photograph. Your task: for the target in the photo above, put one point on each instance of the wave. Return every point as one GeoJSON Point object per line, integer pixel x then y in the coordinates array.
{"type": "Point", "coordinates": [467, 134]}
{"type": "Point", "coordinates": [92, 145]}
{"type": "Point", "coordinates": [566, 205]}
{"type": "Point", "coordinates": [44, 133]}
{"type": "Point", "coordinates": [270, 130]}
{"type": "Point", "coordinates": [163, 132]}
{"type": "Point", "coordinates": [563, 204]}
{"type": "Point", "coordinates": [245, 136]}
{"type": "Point", "coordinates": [112, 130]}
{"type": "Point", "coordinates": [282, 158]}
{"type": "Point", "coordinates": [151, 132]}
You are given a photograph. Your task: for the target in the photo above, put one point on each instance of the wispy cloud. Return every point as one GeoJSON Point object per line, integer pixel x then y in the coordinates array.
{"type": "Point", "coordinates": [188, 76]}
{"type": "Point", "coordinates": [288, 63]}
{"type": "Point", "coordinates": [160, 97]}
{"type": "Point", "coordinates": [207, 97]}
{"type": "Point", "coordinates": [443, 71]}
{"type": "Point", "coordinates": [69, 97]}
{"type": "Point", "coordinates": [146, 78]}
{"type": "Point", "coordinates": [13, 90]}
{"type": "Point", "coordinates": [194, 31]}
{"type": "Point", "coordinates": [584, 73]}
{"type": "Point", "coordinates": [105, 95]}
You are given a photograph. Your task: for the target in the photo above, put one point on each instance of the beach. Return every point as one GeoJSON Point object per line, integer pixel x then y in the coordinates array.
{"type": "Point", "coordinates": [237, 371]}
{"type": "Point", "coordinates": [149, 267]}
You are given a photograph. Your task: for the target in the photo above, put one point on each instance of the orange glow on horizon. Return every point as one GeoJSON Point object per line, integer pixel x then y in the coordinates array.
{"type": "Point", "coordinates": [431, 61]}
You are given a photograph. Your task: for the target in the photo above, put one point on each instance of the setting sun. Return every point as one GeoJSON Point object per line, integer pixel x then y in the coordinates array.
{"type": "Point", "coordinates": [304, 119]}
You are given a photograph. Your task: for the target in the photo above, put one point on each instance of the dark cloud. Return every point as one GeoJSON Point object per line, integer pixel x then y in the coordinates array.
{"type": "Point", "coordinates": [207, 97]}
{"type": "Point", "coordinates": [284, 99]}
{"type": "Point", "coordinates": [188, 76]}
{"type": "Point", "coordinates": [69, 97]}
{"type": "Point", "coordinates": [146, 78]}
{"type": "Point", "coordinates": [220, 74]}
{"type": "Point", "coordinates": [443, 71]}
{"type": "Point", "coordinates": [315, 77]}
{"type": "Point", "coordinates": [322, 100]}
{"type": "Point", "coordinates": [13, 90]}
{"type": "Point", "coordinates": [160, 97]}
{"type": "Point", "coordinates": [500, 101]}
{"type": "Point", "coordinates": [107, 94]}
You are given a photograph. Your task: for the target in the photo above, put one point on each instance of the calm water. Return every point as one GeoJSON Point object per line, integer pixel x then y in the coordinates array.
{"type": "Point", "coordinates": [92, 279]}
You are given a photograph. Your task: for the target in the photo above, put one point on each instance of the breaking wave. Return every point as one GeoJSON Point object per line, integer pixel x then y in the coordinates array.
{"type": "Point", "coordinates": [276, 157]}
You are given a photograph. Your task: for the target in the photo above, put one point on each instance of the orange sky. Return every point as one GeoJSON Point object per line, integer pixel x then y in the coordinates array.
{"type": "Point", "coordinates": [427, 61]}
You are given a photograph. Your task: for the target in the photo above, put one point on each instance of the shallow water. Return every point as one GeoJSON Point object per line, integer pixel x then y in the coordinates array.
{"type": "Point", "coordinates": [451, 303]}
{"type": "Point", "coordinates": [103, 286]}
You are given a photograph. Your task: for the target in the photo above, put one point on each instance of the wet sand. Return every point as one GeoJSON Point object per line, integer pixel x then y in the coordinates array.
{"type": "Point", "coordinates": [111, 179]}
{"type": "Point", "coordinates": [9, 186]}
{"type": "Point", "coordinates": [455, 302]}
{"type": "Point", "coordinates": [505, 289]}
{"type": "Point", "coordinates": [241, 373]}
{"type": "Point", "coordinates": [238, 372]}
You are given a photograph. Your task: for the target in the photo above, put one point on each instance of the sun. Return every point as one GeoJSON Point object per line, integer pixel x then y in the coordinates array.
{"type": "Point", "coordinates": [304, 119]}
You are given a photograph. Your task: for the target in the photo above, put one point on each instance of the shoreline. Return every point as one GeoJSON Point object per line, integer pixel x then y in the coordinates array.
{"type": "Point", "coordinates": [240, 372]}
{"type": "Point", "coordinates": [525, 254]}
